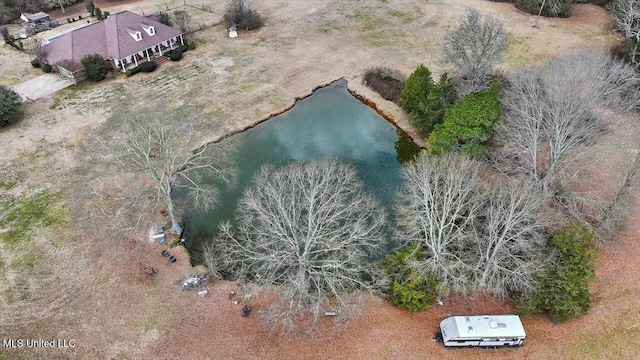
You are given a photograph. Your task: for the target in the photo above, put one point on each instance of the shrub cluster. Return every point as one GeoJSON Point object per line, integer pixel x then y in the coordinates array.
{"type": "Point", "coordinates": [132, 71]}
{"type": "Point", "coordinates": [176, 55]}
{"type": "Point", "coordinates": [164, 18]}
{"type": "Point", "coordinates": [94, 67]}
{"type": "Point", "coordinates": [407, 288]}
{"type": "Point", "coordinates": [147, 66]}
{"type": "Point", "coordinates": [385, 81]}
{"type": "Point", "coordinates": [426, 101]}
{"type": "Point", "coordinates": [563, 289]}
{"type": "Point", "coordinates": [239, 14]}
{"type": "Point", "coordinates": [467, 125]}
{"type": "Point", "coordinates": [35, 63]}
{"type": "Point", "coordinates": [10, 106]}
{"type": "Point", "coordinates": [552, 8]}
{"type": "Point", "coordinates": [46, 68]}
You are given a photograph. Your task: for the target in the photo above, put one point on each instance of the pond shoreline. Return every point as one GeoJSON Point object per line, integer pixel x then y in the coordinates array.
{"type": "Point", "coordinates": [392, 113]}
{"type": "Point", "coordinates": [389, 111]}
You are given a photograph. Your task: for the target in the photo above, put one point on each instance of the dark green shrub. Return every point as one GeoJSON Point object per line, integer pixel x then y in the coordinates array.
{"type": "Point", "coordinates": [10, 106]}
{"type": "Point", "coordinates": [5, 34]}
{"type": "Point", "coordinates": [467, 125]}
{"type": "Point", "coordinates": [164, 18]}
{"type": "Point", "coordinates": [552, 8]}
{"type": "Point", "coordinates": [385, 81]}
{"type": "Point", "coordinates": [183, 48]}
{"type": "Point", "coordinates": [132, 71]}
{"type": "Point", "coordinates": [562, 290]}
{"type": "Point", "coordinates": [191, 46]}
{"type": "Point", "coordinates": [426, 101]}
{"type": "Point", "coordinates": [175, 55]}
{"type": "Point", "coordinates": [407, 288]}
{"type": "Point", "coordinates": [239, 14]}
{"type": "Point", "coordinates": [46, 68]}
{"type": "Point", "coordinates": [98, 13]}
{"type": "Point", "coordinates": [94, 67]}
{"type": "Point", "coordinates": [416, 88]}
{"type": "Point", "coordinates": [35, 63]}
{"type": "Point", "coordinates": [105, 14]}
{"type": "Point", "coordinates": [147, 66]}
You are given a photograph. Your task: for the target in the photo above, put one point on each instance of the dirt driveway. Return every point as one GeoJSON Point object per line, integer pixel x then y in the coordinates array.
{"type": "Point", "coordinates": [41, 86]}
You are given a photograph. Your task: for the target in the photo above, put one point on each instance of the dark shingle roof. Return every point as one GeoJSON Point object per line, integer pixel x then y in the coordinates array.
{"type": "Point", "coordinates": [108, 38]}
{"type": "Point", "coordinates": [36, 16]}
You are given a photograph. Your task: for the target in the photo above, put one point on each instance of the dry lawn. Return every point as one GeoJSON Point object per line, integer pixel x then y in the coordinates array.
{"type": "Point", "coordinates": [114, 310]}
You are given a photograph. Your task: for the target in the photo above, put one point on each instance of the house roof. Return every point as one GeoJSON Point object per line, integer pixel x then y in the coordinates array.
{"type": "Point", "coordinates": [36, 16]}
{"type": "Point", "coordinates": [109, 38]}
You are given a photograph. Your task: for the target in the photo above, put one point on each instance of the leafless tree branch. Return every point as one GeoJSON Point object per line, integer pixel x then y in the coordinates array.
{"type": "Point", "coordinates": [307, 230]}
{"type": "Point", "coordinates": [473, 48]}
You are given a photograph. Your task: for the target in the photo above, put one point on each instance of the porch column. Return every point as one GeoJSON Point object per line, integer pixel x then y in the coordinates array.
{"type": "Point", "coordinates": [181, 40]}
{"type": "Point", "coordinates": [148, 58]}
{"type": "Point", "coordinates": [122, 65]}
{"type": "Point", "coordinates": [135, 58]}
{"type": "Point", "coordinates": [171, 44]}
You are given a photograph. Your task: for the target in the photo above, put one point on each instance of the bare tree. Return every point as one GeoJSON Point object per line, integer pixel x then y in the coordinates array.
{"type": "Point", "coordinates": [88, 4]}
{"type": "Point", "coordinates": [33, 46]}
{"type": "Point", "coordinates": [436, 208]}
{"type": "Point", "coordinates": [141, 140]}
{"type": "Point", "coordinates": [553, 116]}
{"type": "Point", "coordinates": [474, 46]}
{"type": "Point", "coordinates": [182, 19]}
{"type": "Point", "coordinates": [474, 238]}
{"type": "Point", "coordinates": [627, 16]}
{"type": "Point", "coordinates": [510, 239]}
{"type": "Point", "coordinates": [308, 232]}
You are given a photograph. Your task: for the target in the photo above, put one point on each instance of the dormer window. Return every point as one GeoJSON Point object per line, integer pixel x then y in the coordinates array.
{"type": "Point", "coordinates": [149, 29]}
{"type": "Point", "coordinates": [135, 34]}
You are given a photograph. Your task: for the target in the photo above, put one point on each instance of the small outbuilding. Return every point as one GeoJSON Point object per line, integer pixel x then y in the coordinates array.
{"type": "Point", "coordinates": [34, 23]}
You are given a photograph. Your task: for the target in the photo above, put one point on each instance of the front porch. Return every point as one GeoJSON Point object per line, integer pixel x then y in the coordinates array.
{"type": "Point", "coordinates": [155, 51]}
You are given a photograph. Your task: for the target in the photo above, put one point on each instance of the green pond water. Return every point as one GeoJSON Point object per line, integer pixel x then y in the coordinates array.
{"type": "Point", "coordinates": [331, 122]}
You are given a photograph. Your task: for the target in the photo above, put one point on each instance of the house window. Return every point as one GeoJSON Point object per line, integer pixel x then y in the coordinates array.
{"type": "Point", "coordinates": [149, 29]}
{"type": "Point", "coordinates": [135, 34]}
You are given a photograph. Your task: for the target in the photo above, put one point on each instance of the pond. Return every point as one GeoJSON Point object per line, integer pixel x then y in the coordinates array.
{"type": "Point", "coordinates": [330, 122]}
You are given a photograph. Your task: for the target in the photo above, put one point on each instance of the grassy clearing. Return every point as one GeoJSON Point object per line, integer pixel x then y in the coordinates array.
{"type": "Point", "coordinates": [22, 216]}
{"type": "Point", "coordinates": [519, 52]}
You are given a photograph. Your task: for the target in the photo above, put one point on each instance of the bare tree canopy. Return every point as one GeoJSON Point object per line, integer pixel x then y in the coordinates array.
{"type": "Point", "coordinates": [474, 47]}
{"type": "Point", "coordinates": [627, 16]}
{"type": "Point", "coordinates": [553, 114]}
{"type": "Point", "coordinates": [33, 46]}
{"type": "Point", "coordinates": [182, 19]}
{"type": "Point", "coordinates": [510, 239]}
{"type": "Point", "coordinates": [436, 208]}
{"type": "Point", "coordinates": [143, 140]}
{"type": "Point", "coordinates": [308, 230]}
{"type": "Point", "coordinates": [474, 237]}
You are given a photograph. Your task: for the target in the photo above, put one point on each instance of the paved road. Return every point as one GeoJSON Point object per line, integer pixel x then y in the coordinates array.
{"type": "Point", "coordinates": [41, 86]}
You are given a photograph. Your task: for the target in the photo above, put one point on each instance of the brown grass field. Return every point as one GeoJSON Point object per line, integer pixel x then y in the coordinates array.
{"type": "Point", "coordinates": [60, 280]}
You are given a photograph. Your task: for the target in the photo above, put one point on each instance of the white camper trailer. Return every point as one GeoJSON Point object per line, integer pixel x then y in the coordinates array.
{"type": "Point", "coordinates": [482, 331]}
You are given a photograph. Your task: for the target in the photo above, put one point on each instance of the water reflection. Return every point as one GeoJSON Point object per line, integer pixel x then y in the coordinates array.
{"type": "Point", "coordinates": [329, 123]}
